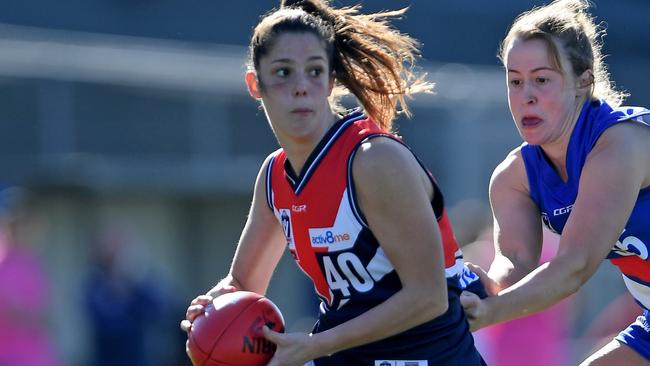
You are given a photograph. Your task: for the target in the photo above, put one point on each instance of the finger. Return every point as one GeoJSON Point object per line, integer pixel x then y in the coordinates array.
{"type": "Point", "coordinates": [193, 311]}
{"type": "Point", "coordinates": [228, 288]}
{"type": "Point", "coordinates": [187, 350]}
{"type": "Point", "coordinates": [473, 325]}
{"type": "Point", "coordinates": [488, 283]}
{"type": "Point", "coordinates": [469, 299]}
{"type": "Point", "coordinates": [272, 336]}
{"type": "Point", "coordinates": [216, 292]}
{"type": "Point", "coordinates": [476, 269]}
{"type": "Point", "coordinates": [186, 325]}
{"type": "Point", "coordinates": [202, 300]}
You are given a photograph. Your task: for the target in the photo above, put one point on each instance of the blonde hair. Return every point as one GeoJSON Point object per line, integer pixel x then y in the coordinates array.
{"type": "Point", "coordinates": [368, 57]}
{"type": "Point", "coordinates": [568, 23]}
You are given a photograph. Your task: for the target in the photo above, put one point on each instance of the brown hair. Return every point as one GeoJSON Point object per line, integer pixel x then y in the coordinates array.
{"type": "Point", "coordinates": [567, 24]}
{"type": "Point", "coordinates": [367, 56]}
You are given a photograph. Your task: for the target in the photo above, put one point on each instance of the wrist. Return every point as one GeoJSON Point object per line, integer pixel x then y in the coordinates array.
{"type": "Point", "coordinates": [322, 344]}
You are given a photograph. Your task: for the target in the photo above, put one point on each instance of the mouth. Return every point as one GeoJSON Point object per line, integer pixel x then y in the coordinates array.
{"type": "Point", "coordinates": [301, 111]}
{"type": "Point", "coordinates": [530, 121]}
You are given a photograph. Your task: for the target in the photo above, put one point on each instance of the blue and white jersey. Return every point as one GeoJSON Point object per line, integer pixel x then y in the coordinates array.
{"type": "Point", "coordinates": [555, 198]}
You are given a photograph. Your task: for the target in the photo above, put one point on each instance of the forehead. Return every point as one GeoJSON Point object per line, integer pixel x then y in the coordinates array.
{"type": "Point", "coordinates": [529, 54]}
{"type": "Point", "coordinates": [296, 46]}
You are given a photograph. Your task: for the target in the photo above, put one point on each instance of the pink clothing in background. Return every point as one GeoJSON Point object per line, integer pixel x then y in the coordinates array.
{"type": "Point", "coordinates": [23, 302]}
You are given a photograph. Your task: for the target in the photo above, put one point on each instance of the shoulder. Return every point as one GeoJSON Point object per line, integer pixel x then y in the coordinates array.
{"type": "Point", "coordinates": [630, 133]}
{"type": "Point", "coordinates": [510, 174]}
{"type": "Point", "coordinates": [381, 156]}
{"type": "Point", "coordinates": [271, 157]}
{"type": "Point", "coordinates": [626, 145]}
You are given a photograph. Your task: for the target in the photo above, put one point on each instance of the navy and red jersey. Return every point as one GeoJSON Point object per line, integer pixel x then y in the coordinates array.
{"type": "Point", "coordinates": [555, 197]}
{"type": "Point", "coordinates": [330, 240]}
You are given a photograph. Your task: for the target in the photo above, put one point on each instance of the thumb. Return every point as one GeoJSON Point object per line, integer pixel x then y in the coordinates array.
{"type": "Point", "coordinates": [229, 288]}
{"type": "Point", "coordinates": [469, 299]}
{"type": "Point", "coordinates": [271, 335]}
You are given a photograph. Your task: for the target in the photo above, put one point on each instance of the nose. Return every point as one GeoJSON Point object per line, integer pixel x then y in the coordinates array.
{"type": "Point", "coordinates": [300, 87]}
{"type": "Point", "coordinates": [529, 94]}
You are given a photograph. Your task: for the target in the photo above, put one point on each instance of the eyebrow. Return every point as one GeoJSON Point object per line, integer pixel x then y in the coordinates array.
{"type": "Point", "coordinates": [536, 69]}
{"type": "Point", "coordinates": [288, 60]}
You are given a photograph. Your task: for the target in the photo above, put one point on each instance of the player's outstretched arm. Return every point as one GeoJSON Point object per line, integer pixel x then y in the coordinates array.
{"type": "Point", "coordinates": [612, 176]}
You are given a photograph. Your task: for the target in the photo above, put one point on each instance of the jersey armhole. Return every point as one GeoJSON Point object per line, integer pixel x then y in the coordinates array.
{"type": "Point", "coordinates": [269, 173]}
{"type": "Point", "coordinates": [527, 155]}
{"type": "Point", "coordinates": [437, 204]}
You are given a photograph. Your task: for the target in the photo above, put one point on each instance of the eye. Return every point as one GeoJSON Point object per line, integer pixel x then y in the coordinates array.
{"type": "Point", "coordinates": [541, 80]}
{"type": "Point", "coordinates": [514, 82]}
{"type": "Point", "coordinates": [316, 71]}
{"type": "Point", "coordinates": [281, 72]}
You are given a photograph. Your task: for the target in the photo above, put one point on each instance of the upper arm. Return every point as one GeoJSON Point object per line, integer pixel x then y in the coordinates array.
{"type": "Point", "coordinates": [261, 244]}
{"type": "Point", "coordinates": [517, 222]}
{"type": "Point", "coordinates": [394, 193]}
{"type": "Point", "coordinates": [611, 178]}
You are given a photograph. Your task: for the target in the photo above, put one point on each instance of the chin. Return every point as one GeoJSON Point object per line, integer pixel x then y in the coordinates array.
{"type": "Point", "coordinates": [530, 138]}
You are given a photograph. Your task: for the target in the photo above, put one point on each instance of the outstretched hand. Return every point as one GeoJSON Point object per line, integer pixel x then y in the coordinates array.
{"type": "Point", "coordinates": [491, 286]}
{"type": "Point", "coordinates": [293, 349]}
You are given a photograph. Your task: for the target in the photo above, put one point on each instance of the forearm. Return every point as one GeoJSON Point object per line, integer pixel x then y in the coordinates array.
{"type": "Point", "coordinates": [545, 286]}
{"type": "Point", "coordinates": [402, 311]}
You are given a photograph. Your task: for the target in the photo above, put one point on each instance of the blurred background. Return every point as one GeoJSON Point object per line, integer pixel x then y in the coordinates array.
{"type": "Point", "coordinates": [128, 127]}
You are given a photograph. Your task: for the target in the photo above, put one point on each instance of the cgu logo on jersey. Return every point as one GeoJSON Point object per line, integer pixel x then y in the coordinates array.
{"type": "Point", "coordinates": [299, 208]}
{"type": "Point", "coordinates": [562, 210]}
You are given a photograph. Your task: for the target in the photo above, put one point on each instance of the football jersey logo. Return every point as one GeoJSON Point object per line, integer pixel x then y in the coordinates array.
{"type": "Point", "coordinates": [285, 220]}
{"type": "Point", "coordinates": [631, 245]}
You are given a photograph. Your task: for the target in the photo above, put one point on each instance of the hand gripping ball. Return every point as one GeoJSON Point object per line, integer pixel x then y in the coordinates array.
{"type": "Point", "coordinates": [229, 333]}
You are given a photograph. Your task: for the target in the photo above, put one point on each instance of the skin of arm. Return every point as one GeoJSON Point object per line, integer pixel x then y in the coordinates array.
{"type": "Point", "coordinates": [615, 171]}
{"type": "Point", "coordinates": [259, 250]}
{"type": "Point", "coordinates": [395, 194]}
{"type": "Point", "coordinates": [260, 247]}
{"type": "Point", "coordinates": [517, 224]}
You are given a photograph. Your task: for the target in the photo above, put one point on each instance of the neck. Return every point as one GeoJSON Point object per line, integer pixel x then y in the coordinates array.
{"type": "Point", "coordinates": [556, 150]}
{"type": "Point", "coordinates": [298, 150]}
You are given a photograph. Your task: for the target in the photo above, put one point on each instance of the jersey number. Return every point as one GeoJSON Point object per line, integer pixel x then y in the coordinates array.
{"type": "Point", "coordinates": [347, 271]}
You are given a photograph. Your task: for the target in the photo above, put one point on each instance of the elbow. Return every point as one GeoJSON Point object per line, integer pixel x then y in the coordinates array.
{"type": "Point", "coordinates": [434, 305]}
{"type": "Point", "coordinates": [578, 270]}
{"type": "Point", "coordinates": [440, 308]}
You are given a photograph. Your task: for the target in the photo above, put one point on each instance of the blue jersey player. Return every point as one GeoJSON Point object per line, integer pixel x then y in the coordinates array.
{"type": "Point", "coordinates": [361, 216]}
{"type": "Point", "coordinates": [583, 172]}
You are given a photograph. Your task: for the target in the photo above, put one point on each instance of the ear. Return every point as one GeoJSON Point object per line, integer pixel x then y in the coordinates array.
{"type": "Point", "coordinates": [585, 81]}
{"type": "Point", "coordinates": [332, 82]}
{"type": "Point", "coordinates": [253, 85]}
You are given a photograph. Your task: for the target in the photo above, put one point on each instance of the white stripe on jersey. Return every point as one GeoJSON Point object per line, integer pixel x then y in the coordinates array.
{"type": "Point", "coordinates": [640, 292]}
{"type": "Point", "coordinates": [379, 265]}
{"type": "Point", "coordinates": [456, 269]}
